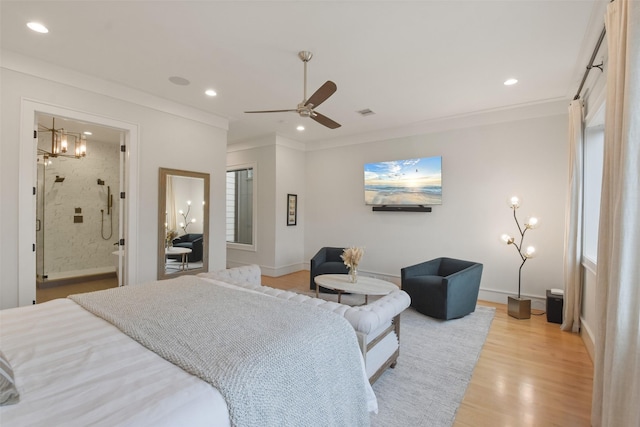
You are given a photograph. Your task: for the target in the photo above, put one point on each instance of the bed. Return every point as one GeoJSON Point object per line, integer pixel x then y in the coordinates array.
{"type": "Point", "coordinates": [190, 351]}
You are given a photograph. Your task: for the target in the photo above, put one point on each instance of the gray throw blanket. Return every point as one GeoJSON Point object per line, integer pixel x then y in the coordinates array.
{"type": "Point", "coordinates": [276, 362]}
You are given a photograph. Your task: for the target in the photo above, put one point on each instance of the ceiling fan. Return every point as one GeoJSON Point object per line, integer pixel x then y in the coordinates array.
{"type": "Point", "coordinates": [306, 107]}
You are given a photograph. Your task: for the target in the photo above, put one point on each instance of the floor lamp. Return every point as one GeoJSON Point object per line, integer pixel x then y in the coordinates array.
{"type": "Point", "coordinates": [519, 307]}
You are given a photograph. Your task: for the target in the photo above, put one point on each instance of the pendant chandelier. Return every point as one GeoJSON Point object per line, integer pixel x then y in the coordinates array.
{"type": "Point", "coordinates": [60, 143]}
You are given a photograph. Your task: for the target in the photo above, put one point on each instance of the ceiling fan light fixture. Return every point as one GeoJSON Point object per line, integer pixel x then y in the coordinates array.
{"type": "Point", "coordinates": [307, 107]}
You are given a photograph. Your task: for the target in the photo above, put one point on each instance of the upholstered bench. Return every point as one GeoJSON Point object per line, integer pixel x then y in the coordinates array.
{"type": "Point", "coordinates": [377, 325]}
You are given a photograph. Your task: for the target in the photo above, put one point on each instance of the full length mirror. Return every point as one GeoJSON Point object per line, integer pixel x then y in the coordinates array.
{"type": "Point", "coordinates": [183, 223]}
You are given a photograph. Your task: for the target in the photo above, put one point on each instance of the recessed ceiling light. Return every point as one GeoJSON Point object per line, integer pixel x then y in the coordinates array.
{"type": "Point", "coordinates": [510, 82]}
{"type": "Point", "coordinates": [86, 132]}
{"type": "Point", "coordinates": [38, 27]}
{"type": "Point", "coordinates": [180, 81]}
{"type": "Point", "coordinates": [210, 92]}
{"type": "Point", "coordinates": [300, 128]}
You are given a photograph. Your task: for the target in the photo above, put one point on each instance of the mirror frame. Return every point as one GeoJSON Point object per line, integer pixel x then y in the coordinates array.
{"type": "Point", "coordinates": [162, 203]}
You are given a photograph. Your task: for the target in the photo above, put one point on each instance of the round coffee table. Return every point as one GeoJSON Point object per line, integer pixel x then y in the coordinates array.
{"type": "Point", "coordinates": [184, 252]}
{"type": "Point", "coordinates": [364, 286]}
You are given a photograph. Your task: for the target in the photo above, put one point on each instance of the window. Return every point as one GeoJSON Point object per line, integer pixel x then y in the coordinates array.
{"type": "Point", "coordinates": [240, 207]}
{"type": "Point", "coordinates": [593, 160]}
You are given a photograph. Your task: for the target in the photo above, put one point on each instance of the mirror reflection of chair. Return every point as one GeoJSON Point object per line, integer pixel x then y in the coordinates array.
{"type": "Point", "coordinates": [326, 261]}
{"type": "Point", "coordinates": [444, 288]}
{"type": "Point", "coordinates": [191, 241]}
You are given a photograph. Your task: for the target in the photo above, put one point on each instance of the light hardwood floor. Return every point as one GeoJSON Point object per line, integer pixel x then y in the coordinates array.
{"type": "Point", "coordinates": [47, 294]}
{"type": "Point", "coordinates": [529, 372]}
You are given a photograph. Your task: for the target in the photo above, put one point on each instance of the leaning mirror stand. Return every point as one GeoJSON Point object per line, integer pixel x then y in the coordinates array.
{"type": "Point", "coordinates": [183, 223]}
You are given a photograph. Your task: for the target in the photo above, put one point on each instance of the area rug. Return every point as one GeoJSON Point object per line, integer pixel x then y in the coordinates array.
{"type": "Point", "coordinates": [436, 362]}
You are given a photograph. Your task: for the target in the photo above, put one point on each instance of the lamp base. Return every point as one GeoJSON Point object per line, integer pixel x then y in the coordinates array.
{"type": "Point", "coordinates": [519, 308]}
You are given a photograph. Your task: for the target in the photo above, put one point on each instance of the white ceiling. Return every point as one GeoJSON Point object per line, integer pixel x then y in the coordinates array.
{"type": "Point", "coordinates": [408, 61]}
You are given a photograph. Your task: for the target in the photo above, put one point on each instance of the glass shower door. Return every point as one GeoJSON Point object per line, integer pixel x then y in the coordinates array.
{"type": "Point", "coordinates": [40, 273]}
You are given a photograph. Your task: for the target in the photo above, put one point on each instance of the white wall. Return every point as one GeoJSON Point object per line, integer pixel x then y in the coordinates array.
{"type": "Point", "coordinates": [290, 179]}
{"type": "Point", "coordinates": [588, 319]}
{"type": "Point", "coordinates": [482, 167]}
{"type": "Point", "coordinates": [170, 136]}
{"type": "Point", "coordinates": [279, 170]}
{"type": "Point", "coordinates": [262, 155]}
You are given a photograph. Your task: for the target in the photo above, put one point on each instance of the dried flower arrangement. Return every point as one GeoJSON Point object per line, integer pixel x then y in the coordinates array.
{"type": "Point", "coordinates": [352, 256]}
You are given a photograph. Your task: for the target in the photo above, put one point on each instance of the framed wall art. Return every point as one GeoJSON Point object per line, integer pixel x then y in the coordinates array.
{"type": "Point", "coordinates": [292, 209]}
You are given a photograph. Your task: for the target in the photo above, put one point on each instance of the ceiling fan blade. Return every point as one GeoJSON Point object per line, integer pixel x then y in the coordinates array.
{"type": "Point", "coordinates": [272, 111]}
{"type": "Point", "coordinates": [324, 120]}
{"type": "Point", "coordinates": [321, 95]}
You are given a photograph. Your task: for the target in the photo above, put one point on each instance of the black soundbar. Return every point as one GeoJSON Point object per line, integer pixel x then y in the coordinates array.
{"type": "Point", "coordinates": [385, 208]}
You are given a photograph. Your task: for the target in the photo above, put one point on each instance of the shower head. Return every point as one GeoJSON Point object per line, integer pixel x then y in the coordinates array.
{"type": "Point", "coordinates": [59, 178]}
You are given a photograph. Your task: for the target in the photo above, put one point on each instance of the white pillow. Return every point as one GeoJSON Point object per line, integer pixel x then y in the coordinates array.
{"type": "Point", "coordinates": [8, 391]}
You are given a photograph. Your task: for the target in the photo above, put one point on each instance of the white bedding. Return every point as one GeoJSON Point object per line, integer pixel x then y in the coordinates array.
{"type": "Point", "coordinates": [89, 373]}
{"type": "Point", "coordinates": [276, 362]}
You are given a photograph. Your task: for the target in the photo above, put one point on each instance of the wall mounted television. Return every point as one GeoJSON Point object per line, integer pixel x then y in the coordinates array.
{"type": "Point", "coordinates": [410, 182]}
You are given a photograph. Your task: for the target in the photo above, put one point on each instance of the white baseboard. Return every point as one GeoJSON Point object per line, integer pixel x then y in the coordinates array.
{"type": "Point", "coordinates": [587, 337]}
{"type": "Point", "coordinates": [80, 273]}
{"type": "Point", "coordinates": [500, 297]}
{"type": "Point", "coordinates": [492, 295]}
{"type": "Point", "coordinates": [272, 271]}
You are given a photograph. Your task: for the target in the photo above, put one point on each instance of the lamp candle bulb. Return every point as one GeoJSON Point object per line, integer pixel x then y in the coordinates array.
{"type": "Point", "coordinates": [63, 141]}
{"type": "Point", "coordinates": [507, 239]}
{"type": "Point", "coordinates": [532, 222]}
{"type": "Point", "coordinates": [530, 252]}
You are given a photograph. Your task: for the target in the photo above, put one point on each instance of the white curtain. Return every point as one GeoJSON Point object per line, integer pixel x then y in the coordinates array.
{"type": "Point", "coordinates": [616, 386]}
{"type": "Point", "coordinates": [573, 222]}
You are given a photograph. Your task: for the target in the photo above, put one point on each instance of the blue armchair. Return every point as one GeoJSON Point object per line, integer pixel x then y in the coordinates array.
{"type": "Point", "coordinates": [327, 261]}
{"type": "Point", "coordinates": [444, 288]}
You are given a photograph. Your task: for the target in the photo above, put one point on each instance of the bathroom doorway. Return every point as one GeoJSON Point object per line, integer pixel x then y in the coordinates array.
{"type": "Point", "coordinates": [128, 215]}
{"type": "Point", "coordinates": [78, 207]}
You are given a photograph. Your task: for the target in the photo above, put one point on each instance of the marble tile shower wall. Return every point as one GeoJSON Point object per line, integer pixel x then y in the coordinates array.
{"type": "Point", "coordinates": [79, 231]}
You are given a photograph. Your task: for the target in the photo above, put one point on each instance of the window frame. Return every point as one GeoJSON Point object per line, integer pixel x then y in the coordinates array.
{"type": "Point", "coordinates": [593, 123]}
{"type": "Point", "coordinates": [253, 247]}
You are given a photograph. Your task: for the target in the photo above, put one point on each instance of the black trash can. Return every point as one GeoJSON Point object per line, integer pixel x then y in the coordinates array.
{"type": "Point", "coordinates": [554, 307]}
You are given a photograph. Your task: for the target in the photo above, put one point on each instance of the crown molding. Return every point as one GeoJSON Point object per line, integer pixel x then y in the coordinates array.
{"type": "Point", "coordinates": [34, 67]}
{"type": "Point", "coordinates": [553, 107]}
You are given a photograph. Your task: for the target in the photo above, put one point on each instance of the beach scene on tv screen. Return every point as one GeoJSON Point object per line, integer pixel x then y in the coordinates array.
{"type": "Point", "coordinates": [404, 182]}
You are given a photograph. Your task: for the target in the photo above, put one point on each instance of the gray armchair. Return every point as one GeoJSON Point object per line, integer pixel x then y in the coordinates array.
{"type": "Point", "coordinates": [327, 261]}
{"type": "Point", "coordinates": [444, 288]}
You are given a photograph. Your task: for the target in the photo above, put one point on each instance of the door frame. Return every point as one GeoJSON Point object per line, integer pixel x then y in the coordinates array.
{"type": "Point", "coordinates": [27, 198]}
